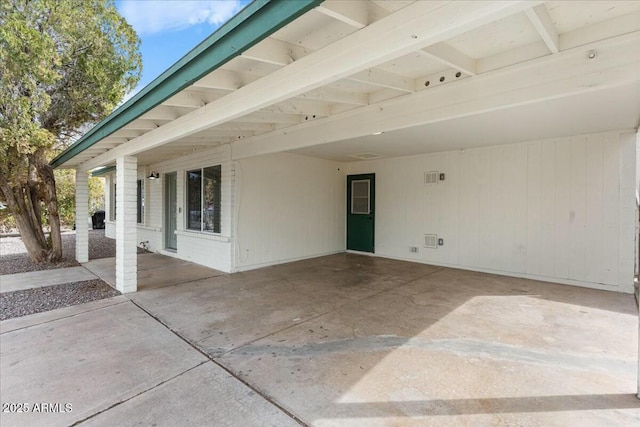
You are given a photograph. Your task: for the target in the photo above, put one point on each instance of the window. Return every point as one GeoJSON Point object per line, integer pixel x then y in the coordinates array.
{"type": "Point", "coordinates": [140, 202]}
{"type": "Point", "coordinates": [203, 199]}
{"type": "Point", "coordinates": [112, 202]}
{"type": "Point", "coordinates": [360, 194]}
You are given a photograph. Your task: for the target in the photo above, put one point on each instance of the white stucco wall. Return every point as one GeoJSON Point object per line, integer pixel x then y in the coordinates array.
{"type": "Point", "coordinates": [561, 210]}
{"type": "Point", "coordinates": [288, 207]}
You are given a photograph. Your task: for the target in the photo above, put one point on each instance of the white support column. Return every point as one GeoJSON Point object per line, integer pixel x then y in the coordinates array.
{"type": "Point", "coordinates": [126, 231]}
{"type": "Point", "coordinates": [82, 213]}
{"type": "Point", "coordinates": [637, 183]}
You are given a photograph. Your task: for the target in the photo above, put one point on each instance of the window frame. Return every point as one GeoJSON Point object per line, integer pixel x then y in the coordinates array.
{"type": "Point", "coordinates": [217, 198]}
{"type": "Point", "coordinates": [354, 197]}
{"type": "Point", "coordinates": [112, 200]}
{"type": "Point", "coordinates": [140, 201]}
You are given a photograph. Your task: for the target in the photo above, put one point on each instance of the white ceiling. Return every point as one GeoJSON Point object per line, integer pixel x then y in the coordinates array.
{"type": "Point", "coordinates": [567, 17]}
{"type": "Point", "coordinates": [348, 68]}
{"type": "Point", "coordinates": [598, 111]}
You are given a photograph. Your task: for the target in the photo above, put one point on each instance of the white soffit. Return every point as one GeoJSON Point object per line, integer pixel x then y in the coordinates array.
{"type": "Point", "coordinates": [298, 77]}
{"type": "Point", "coordinates": [568, 17]}
{"type": "Point", "coordinates": [314, 31]}
{"type": "Point", "coordinates": [499, 36]}
{"type": "Point", "coordinates": [587, 113]}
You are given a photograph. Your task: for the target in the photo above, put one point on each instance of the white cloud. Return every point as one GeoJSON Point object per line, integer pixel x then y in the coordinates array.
{"type": "Point", "coordinates": [153, 16]}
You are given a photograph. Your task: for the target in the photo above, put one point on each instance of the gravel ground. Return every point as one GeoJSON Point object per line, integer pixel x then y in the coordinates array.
{"type": "Point", "coordinates": [14, 258]}
{"type": "Point", "coordinates": [30, 301]}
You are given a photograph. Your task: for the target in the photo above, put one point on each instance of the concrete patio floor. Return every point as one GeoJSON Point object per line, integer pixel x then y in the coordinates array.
{"type": "Point", "coordinates": [344, 340]}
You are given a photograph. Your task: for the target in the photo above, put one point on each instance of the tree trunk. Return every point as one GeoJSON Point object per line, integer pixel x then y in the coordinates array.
{"type": "Point", "coordinates": [32, 236]}
{"type": "Point", "coordinates": [31, 199]}
{"type": "Point", "coordinates": [37, 252]}
{"type": "Point", "coordinates": [46, 174]}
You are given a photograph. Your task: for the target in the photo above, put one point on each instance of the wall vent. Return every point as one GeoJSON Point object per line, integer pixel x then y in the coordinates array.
{"type": "Point", "coordinates": [431, 177]}
{"type": "Point", "coordinates": [413, 249]}
{"type": "Point", "coordinates": [431, 241]}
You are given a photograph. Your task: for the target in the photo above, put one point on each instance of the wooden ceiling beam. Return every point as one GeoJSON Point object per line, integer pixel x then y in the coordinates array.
{"type": "Point", "coordinates": [413, 27]}
{"type": "Point", "coordinates": [353, 13]}
{"type": "Point", "coordinates": [541, 20]}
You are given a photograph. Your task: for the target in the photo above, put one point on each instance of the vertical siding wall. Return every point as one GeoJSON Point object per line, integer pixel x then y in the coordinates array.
{"type": "Point", "coordinates": [637, 234]}
{"type": "Point", "coordinates": [211, 250]}
{"type": "Point", "coordinates": [288, 207]}
{"type": "Point", "coordinates": [150, 231]}
{"type": "Point", "coordinates": [561, 210]}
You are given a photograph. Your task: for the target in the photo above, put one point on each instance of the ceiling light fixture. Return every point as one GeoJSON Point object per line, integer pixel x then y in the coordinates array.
{"type": "Point", "coordinates": [154, 175]}
{"type": "Point", "coordinates": [378, 133]}
{"type": "Point", "coordinates": [592, 54]}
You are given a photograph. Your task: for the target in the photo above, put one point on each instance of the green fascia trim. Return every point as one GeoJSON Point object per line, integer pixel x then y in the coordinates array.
{"type": "Point", "coordinates": [103, 171]}
{"type": "Point", "coordinates": [255, 22]}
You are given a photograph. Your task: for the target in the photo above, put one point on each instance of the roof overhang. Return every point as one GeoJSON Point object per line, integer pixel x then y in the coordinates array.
{"type": "Point", "coordinates": [252, 24]}
{"type": "Point", "coordinates": [103, 171]}
{"type": "Point", "coordinates": [324, 79]}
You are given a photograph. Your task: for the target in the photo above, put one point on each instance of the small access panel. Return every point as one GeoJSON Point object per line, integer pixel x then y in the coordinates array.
{"type": "Point", "coordinates": [361, 212]}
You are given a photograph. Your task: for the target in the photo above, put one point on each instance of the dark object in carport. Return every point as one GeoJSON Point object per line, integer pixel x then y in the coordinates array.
{"type": "Point", "coordinates": [97, 220]}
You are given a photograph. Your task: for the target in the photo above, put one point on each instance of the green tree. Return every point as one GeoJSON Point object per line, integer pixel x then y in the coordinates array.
{"type": "Point", "coordinates": [64, 64]}
{"type": "Point", "coordinates": [66, 194]}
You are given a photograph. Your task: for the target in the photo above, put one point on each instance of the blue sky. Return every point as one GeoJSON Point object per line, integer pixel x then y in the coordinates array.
{"type": "Point", "coordinates": [169, 29]}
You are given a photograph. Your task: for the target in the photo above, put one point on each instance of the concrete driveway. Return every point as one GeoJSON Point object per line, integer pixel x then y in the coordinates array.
{"type": "Point", "coordinates": [345, 340]}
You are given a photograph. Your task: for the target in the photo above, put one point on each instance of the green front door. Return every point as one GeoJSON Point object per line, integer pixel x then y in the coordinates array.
{"type": "Point", "coordinates": [361, 212]}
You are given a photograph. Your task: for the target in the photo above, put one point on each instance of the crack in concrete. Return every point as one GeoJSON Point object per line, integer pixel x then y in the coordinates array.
{"type": "Point", "coordinates": [139, 394]}
{"type": "Point", "coordinates": [223, 367]}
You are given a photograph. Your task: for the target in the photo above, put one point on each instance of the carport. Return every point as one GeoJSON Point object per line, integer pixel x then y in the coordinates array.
{"type": "Point", "coordinates": [356, 340]}
{"type": "Point", "coordinates": [492, 137]}
{"type": "Point", "coordinates": [343, 340]}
